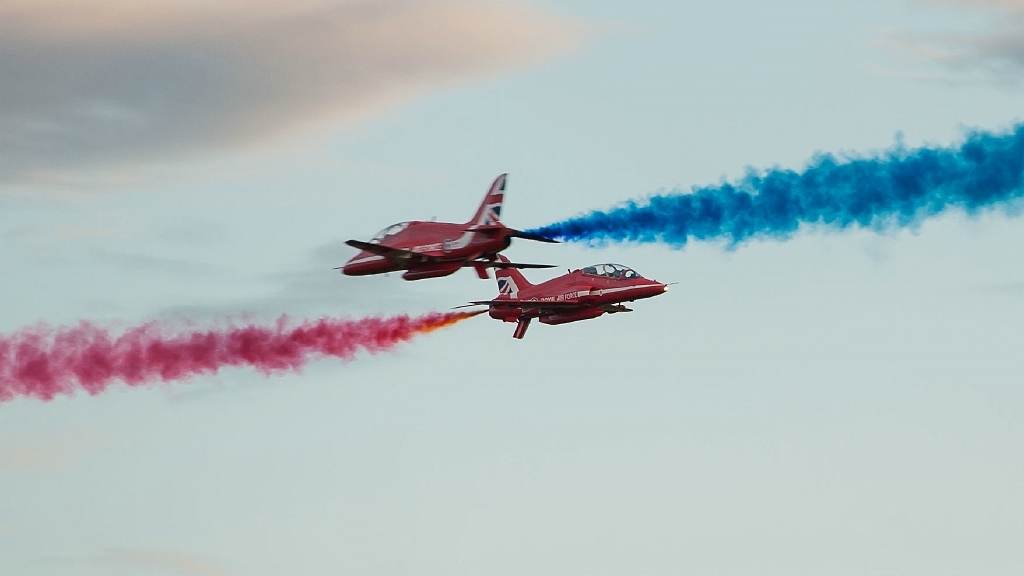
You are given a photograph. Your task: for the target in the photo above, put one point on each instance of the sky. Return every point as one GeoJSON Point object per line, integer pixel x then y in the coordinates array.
{"type": "Point", "coordinates": [838, 402]}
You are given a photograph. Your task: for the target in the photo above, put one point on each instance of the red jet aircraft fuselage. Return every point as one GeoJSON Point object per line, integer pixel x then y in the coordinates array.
{"type": "Point", "coordinates": [579, 295]}
{"type": "Point", "coordinates": [432, 249]}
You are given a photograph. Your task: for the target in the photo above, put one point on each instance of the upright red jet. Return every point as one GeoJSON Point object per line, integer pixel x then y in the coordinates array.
{"type": "Point", "coordinates": [432, 249]}
{"type": "Point", "coordinates": [579, 295]}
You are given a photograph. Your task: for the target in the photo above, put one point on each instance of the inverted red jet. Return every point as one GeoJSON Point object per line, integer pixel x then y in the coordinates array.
{"type": "Point", "coordinates": [579, 295]}
{"type": "Point", "coordinates": [433, 249]}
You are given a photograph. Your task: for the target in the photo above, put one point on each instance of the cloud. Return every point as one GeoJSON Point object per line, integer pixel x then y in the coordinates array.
{"type": "Point", "coordinates": [1008, 5]}
{"type": "Point", "coordinates": [147, 561]}
{"type": "Point", "coordinates": [138, 262]}
{"type": "Point", "coordinates": [314, 288]}
{"type": "Point", "coordinates": [994, 53]}
{"type": "Point", "coordinates": [86, 83]}
{"type": "Point", "coordinates": [47, 449]}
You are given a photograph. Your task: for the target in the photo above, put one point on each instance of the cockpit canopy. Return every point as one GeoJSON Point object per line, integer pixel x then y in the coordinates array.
{"type": "Point", "coordinates": [389, 231]}
{"type": "Point", "coordinates": [611, 271]}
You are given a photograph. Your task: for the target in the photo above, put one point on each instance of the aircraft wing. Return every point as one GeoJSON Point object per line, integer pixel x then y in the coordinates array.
{"type": "Point", "coordinates": [394, 254]}
{"type": "Point", "coordinates": [533, 305]}
{"type": "Point", "coordinates": [401, 256]}
{"type": "Point", "coordinates": [529, 304]}
{"type": "Point", "coordinates": [499, 264]}
{"type": "Point", "coordinates": [552, 307]}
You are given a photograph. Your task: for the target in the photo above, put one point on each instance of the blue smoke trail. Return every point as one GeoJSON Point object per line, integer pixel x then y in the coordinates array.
{"type": "Point", "coordinates": [895, 189]}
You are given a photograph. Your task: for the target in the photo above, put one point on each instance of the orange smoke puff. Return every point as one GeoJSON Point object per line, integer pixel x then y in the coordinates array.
{"type": "Point", "coordinates": [446, 320]}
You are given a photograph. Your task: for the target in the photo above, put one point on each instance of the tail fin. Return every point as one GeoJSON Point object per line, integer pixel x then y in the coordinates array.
{"type": "Point", "coordinates": [489, 211]}
{"type": "Point", "coordinates": [510, 281]}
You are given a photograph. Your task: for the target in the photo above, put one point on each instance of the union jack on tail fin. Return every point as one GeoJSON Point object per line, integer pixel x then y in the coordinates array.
{"type": "Point", "coordinates": [489, 212]}
{"type": "Point", "coordinates": [510, 281]}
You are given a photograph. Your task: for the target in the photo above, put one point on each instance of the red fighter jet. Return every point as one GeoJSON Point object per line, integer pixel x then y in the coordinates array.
{"type": "Point", "coordinates": [433, 249]}
{"type": "Point", "coordinates": [579, 295]}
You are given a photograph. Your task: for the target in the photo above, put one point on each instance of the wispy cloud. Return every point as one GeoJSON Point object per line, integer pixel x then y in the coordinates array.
{"type": "Point", "coordinates": [147, 561]}
{"type": "Point", "coordinates": [47, 449]}
{"type": "Point", "coordinates": [139, 262]}
{"type": "Point", "coordinates": [315, 288]}
{"type": "Point", "coordinates": [995, 53]}
{"type": "Point", "coordinates": [1008, 5]}
{"type": "Point", "coordinates": [87, 83]}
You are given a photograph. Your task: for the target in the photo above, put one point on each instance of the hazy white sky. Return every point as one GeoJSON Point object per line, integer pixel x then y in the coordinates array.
{"type": "Point", "coordinates": [834, 404]}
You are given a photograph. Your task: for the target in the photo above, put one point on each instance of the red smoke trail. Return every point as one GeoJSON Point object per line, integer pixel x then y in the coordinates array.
{"type": "Point", "coordinates": [43, 362]}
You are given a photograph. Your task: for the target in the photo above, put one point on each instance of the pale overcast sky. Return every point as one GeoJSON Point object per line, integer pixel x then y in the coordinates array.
{"type": "Point", "coordinates": [838, 403]}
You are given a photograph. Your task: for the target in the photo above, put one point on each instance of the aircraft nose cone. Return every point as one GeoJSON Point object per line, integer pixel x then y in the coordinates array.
{"type": "Point", "coordinates": [364, 264]}
{"type": "Point", "coordinates": [654, 288]}
{"type": "Point", "coordinates": [348, 269]}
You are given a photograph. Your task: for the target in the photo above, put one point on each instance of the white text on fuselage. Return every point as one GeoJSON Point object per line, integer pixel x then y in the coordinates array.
{"type": "Point", "coordinates": [569, 296]}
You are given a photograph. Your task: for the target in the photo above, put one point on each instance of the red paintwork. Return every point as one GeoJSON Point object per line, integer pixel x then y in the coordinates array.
{"type": "Point", "coordinates": [433, 249]}
{"type": "Point", "coordinates": [579, 295]}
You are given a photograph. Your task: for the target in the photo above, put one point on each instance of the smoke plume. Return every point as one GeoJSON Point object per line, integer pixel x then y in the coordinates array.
{"type": "Point", "coordinates": [42, 362]}
{"type": "Point", "coordinates": [895, 189]}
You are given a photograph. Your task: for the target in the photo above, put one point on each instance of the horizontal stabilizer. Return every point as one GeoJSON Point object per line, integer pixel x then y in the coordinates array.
{"type": "Point", "coordinates": [518, 265]}
{"type": "Point", "coordinates": [496, 228]}
{"type": "Point", "coordinates": [531, 236]}
{"type": "Point", "coordinates": [499, 264]}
